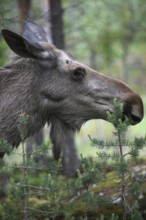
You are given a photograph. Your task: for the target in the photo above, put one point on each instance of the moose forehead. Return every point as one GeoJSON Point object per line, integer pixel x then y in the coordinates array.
{"type": "Point", "coordinates": [52, 50]}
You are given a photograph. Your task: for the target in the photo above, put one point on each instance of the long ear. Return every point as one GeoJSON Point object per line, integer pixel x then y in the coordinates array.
{"type": "Point", "coordinates": [22, 47]}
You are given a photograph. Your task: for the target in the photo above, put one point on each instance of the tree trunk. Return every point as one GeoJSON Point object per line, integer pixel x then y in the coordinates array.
{"type": "Point", "coordinates": [24, 7]}
{"type": "Point", "coordinates": [57, 23]}
{"type": "Point", "coordinates": [125, 63]}
{"type": "Point", "coordinates": [66, 146]}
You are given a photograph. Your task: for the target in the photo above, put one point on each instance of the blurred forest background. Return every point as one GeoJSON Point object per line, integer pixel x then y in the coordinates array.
{"type": "Point", "coordinates": [109, 36]}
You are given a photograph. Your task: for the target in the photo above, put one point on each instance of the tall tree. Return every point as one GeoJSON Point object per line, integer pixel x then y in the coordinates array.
{"type": "Point", "coordinates": [57, 23]}
{"type": "Point", "coordinates": [24, 7]}
{"type": "Point", "coordinates": [66, 144]}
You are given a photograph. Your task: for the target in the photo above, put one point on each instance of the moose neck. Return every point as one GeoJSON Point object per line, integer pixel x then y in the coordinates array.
{"type": "Point", "coordinates": [22, 92]}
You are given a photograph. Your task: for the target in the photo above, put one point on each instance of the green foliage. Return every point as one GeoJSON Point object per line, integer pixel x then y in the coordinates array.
{"type": "Point", "coordinates": [104, 187]}
{"type": "Point", "coordinates": [11, 209]}
{"type": "Point", "coordinates": [83, 194]}
{"type": "Point", "coordinates": [121, 164]}
{"type": "Point", "coordinates": [96, 19]}
{"type": "Point", "coordinates": [3, 48]}
{"type": "Point", "coordinates": [23, 120]}
{"type": "Point", "coordinates": [91, 172]}
{"type": "Point", "coordinates": [106, 34]}
{"type": "Point", "coordinates": [5, 146]}
{"type": "Point", "coordinates": [117, 117]}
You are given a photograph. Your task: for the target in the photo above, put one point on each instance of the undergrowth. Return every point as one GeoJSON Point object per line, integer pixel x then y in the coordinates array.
{"type": "Point", "coordinates": [110, 186]}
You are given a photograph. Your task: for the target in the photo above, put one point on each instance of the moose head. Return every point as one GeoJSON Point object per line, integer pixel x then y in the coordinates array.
{"type": "Point", "coordinates": [48, 84]}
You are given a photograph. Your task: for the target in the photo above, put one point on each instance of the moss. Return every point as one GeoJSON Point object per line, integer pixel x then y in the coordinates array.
{"type": "Point", "coordinates": [11, 209]}
{"type": "Point", "coordinates": [36, 203]}
{"type": "Point", "coordinates": [64, 200]}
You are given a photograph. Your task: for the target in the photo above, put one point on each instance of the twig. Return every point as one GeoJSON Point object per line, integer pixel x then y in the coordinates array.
{"type": "Point", "coordinates": [123, 190]}
{"type": "Point", "coordinates": [24, 170]}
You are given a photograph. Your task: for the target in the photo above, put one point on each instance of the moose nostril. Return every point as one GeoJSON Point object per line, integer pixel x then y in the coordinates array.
{"type": "Point", "coordinates": [134, 112]}
{"type": "Point", "coordinates": [135, 118]}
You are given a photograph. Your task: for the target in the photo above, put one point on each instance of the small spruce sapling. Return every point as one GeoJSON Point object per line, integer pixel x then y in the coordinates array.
{"type": "Point", "coordinates": [122, 149]}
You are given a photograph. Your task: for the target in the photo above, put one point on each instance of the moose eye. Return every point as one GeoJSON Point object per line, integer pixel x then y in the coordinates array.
{"type": "Point", "coordinates": [79, 73]}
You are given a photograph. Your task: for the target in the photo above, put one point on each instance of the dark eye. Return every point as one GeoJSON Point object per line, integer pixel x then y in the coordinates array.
{"type": "Point", "coordinates": [79, 73]}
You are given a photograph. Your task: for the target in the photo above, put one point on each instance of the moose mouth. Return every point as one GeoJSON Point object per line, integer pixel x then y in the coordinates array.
{"type": "Point", "coordinates": [53, 98]}
{"type": "Point", "coordinates": [133, 115]}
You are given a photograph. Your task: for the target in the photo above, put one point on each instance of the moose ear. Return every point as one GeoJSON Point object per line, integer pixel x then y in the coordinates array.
{"type": "Point", "coordinates": [22, 47]}
{"type": "Point", "coordinates": [33, 32]}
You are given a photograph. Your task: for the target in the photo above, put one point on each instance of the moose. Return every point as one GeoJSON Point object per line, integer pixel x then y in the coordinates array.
{"type": "Point", "coordinates": [51, 87]}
